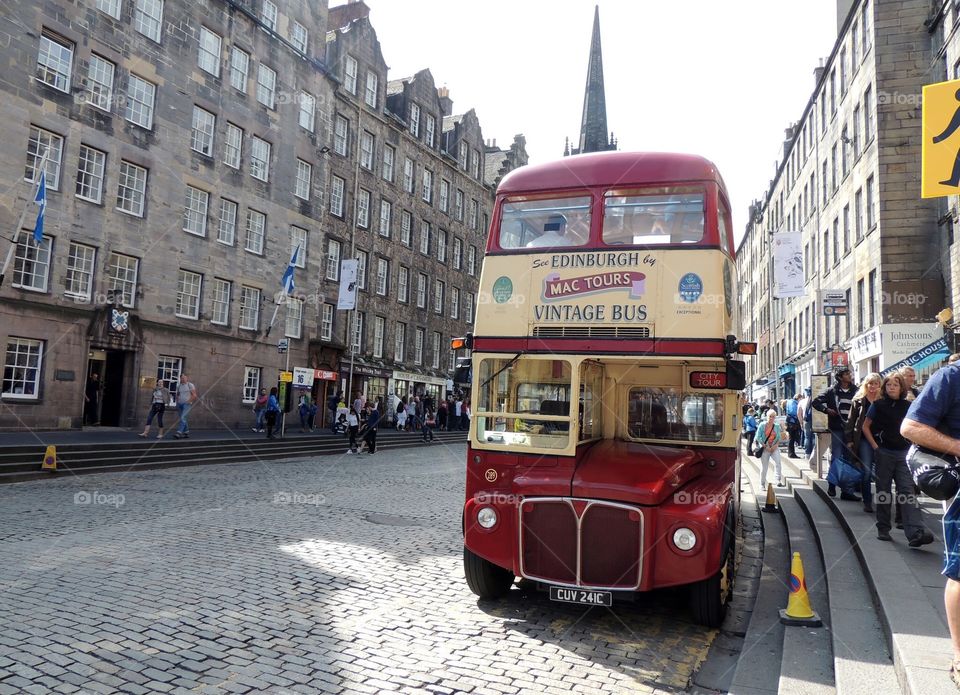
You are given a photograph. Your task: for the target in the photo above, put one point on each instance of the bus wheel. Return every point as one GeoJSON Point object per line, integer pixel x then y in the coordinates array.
{"type": "Point", "coordinates": [709, 598]}
{"type": "Point", "coordinates": [484, 578]}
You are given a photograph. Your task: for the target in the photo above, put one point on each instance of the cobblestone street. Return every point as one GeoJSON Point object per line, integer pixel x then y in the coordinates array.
{"type": "Point", "coordinates": [336, 574]}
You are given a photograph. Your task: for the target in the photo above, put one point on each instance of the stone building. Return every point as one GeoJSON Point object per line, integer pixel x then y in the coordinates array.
{"type": "Point", "coordinates": [190, 148]}
{"type": "Point", "coordinates": [848, 182]}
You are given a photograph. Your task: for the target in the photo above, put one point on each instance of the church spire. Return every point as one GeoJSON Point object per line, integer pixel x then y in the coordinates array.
{"type": "Point", "coordinates": [593, 126]}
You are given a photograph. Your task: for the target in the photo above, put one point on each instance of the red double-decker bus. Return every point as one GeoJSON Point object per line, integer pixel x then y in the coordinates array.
{"type": "Point", "coordinates": [603, 456]}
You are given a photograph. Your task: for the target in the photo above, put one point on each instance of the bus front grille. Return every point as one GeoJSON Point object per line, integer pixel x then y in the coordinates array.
{"type": "Point", "coordinates": [612, 332]}
{"type": "Point", "coordinates": [581, 542]}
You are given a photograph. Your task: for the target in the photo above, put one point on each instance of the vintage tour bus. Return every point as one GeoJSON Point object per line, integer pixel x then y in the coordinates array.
{"type": "Point", "coordinates": [603, 456]}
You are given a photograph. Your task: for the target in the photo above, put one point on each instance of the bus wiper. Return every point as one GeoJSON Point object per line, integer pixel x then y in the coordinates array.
{"type": "Point", "coordinates": [502, 369]}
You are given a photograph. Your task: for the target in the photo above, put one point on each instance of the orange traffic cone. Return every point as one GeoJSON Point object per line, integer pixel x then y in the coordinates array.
{"type": "Point", "coordinates": [50, 459]}
{"type": "Point", "coordinates": [771, 503]}
{"type": "Point", "coordinates": [799, 611]}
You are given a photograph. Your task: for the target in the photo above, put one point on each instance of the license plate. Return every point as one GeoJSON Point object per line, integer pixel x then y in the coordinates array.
{"type": "Point", "coordinates": [582, 597]}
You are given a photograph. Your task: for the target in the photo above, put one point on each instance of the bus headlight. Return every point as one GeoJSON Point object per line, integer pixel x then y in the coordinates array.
{"type": "Point", "coordinates": [487, 517]}
{"type": "Point", "coordinates": [684, 539]}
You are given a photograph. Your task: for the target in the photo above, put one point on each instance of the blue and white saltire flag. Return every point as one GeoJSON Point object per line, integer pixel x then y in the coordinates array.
{"type": "Point", "coordinates": [287, 279]}
{"type": "Point", "coordinates": [40, 199]}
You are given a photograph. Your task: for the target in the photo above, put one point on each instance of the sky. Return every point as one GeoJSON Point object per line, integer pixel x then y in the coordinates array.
{"type": "Point", "coordinates": [718, 79]}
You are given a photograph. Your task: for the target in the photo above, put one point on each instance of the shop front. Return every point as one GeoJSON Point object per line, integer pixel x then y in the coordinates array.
{"type": "Point", "coordinates": [788, 381]}
{"type": "Point", "coordinates": [408, 384]}
{"type": "Point", "coordinates": [865, 351]}
{"type": "Point", "coordinates": [369, 381]}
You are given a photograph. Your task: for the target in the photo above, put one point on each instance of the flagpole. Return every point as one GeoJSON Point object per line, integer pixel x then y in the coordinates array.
{"type": "Point", "coordinates": [23, 216]}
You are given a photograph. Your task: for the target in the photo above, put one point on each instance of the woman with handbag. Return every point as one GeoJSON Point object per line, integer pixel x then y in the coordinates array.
{"type": "Point", "coordinates": [881, 428]}
{"type": "Point", "coordinates": [768, 439]}
{"type": "Point", "coordinates": [868, 392]}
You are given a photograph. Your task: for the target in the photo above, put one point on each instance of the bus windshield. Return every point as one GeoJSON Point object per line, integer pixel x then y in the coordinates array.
{"type": "Point", "coordinates": [544, 223]}
{"type": "Point", "coordinates": [666, 215]}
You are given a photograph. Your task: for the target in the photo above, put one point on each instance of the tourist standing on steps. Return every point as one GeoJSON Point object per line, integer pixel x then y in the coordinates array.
{"type": "Point", "coordinates": [865, 396]}
{"type": "Point", "coordinates": [882, 429]}
{"type": "Point", "coordinates": [370, 436]}
{"type": "Point", "coordinates": [186, 397]}
{"type": "Point", "coordinates": [273, 412]}
{"type": "Point", "coordinates": [933, 422]}
{"type": "Point", "coordinates": [836, 402]}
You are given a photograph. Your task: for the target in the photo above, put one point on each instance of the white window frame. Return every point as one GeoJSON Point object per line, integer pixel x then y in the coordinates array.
{"type": "Point", "coordinates": [299, 36]}
{"type": "Point", "coordinates": [383, 276]}
{"type": "Point", "coordinates": [379, 328]}
{"type": "Point", "coordinates": [239, 68]}
{"type": "Point", "coordinates": [350, 74]}
{"type": "Point", "coordinates": [55, 61]}
{"type": "Point", "coordinates": [99, 89]}
{"type": "Point", "coordinates": [422, 290]}
{"type": "Point", "coordinates": [457, 253]}
{"type": "Point", "coordinates": [425, 237]}
{"type": "Point", "coordinates": [267, 86]}
{"type": "Point", "coordinates": [475, 161]}
{"type": "Point", "coordinates": [40, 142]}
{"type": "Point", "coordinates": [426, 189]}
{"type": "Point", "coordinates": [132, 188]}
{"type": "Point", "coordinates": [255, 232]}
{"type": "Point", "coordinates": [337, 187]}
{"type": "Point", "coordinates": [442, 245]}
{"type": "Point", "coordinates": [268, 15]}
{"type": "Point", "coordinates": [363, 208]}
{"type": "Point", "coordinates": [81, 265]}
{"type": "Point", "coordinates": [439, 292]}
{"type": "Point", "coordinates": [444, 195]}
{"type": "Point", "coordinates": [122, 275]}
{"type": "Point", "coordinates": [233, 146]}
{"type": "Point", "coordinates": [293, 317]}
{"type": "Point", "coordinates": [358, 331]}
{"type": "Point", "coordinates": [472, 260]}
{"type": "Point", "coordinates": [408, 170]}
{"type": "Point", "coordinates": [414, 119]}
{"type": "Point", "coordinates": [202, 128]}
{"type": "Point", "coordinates": [148, 18]}
{"type": "Point", "coordinates": [406, 227]}
{"type": "Point", "coordinates": [403, 285]}
{"type": "Point", "coordinates": [249, 308]}
{"type": "Point", "coordinates": [455, 302]}
{"type": "Point", "coordinates": [370, 91]}
{"type": "Point", "coordinates": [468, 308]}
{"type": "Point", "coordinates": [109, 7]}
{"type": "Point", "coordinates": [189, 289]}
{"type": "Point", "coordinates": [299, 237]}
{"type": "Point", "coordinates": [91, 168]}
{"type": "Point", "coordinates": [362, 257]}
{"type": "Point", "coordinates": [22, 362]}
{"type": "Point", "coordinates": [195, 206]}
{"type": "Point", "coordinates": [260, 158]}
{"type": "Point", "coordinates": [141, 99]}
{"type": "Point", "coordinates": [366, 150]}
{"type": "Point", "coordinates": [308, 111]}
{"type": "Point", "coordinates": [341, 133]}
{"type": "Point", "coordinates": [386, 218]}
{"type": "Point", "coordinates": [400, 341]}
{"type": "Point", "coordinates": [227, 222]}
{"type": "Point", "coordinates": [430, 130]}
{"type": "Point", "coordinates": [435, 351]}
{"type": "Point", "coordinates": [304, 180]}
{"type": "Point", "coordinates": [389, 158]}
{"type": "Point", "coordinates": [326, 322]}
{"type": "Point", "coordinates": [419, 337]}
{"type": "Point", "coordinates": [220, 302]}
{"type": "Point", "coordinates": [458, 205]}
{"type": "Point", "coordinates": [333, 259]}
{"type": "Point", "coordinates": [210, 50]}
{"type": "Point", "coordinates": [251, 383]}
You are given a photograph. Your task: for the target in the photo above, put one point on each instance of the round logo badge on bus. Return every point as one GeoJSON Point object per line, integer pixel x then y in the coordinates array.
{"type": "Point", "coordinates": [690, 288]}
{"type": "Point", "coordinates": [490, 474]}
{"type": "Point", "coordinates": [502, 289]}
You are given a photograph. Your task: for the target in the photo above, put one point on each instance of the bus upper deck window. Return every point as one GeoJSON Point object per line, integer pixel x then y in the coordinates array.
{"type": "Point", "coordinates": [654, 216]}
{"type": "Point", "coordinates": [544, 223]}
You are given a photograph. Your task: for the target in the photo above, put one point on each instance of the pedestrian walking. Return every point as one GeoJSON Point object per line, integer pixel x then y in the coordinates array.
{"type": "Point", "coordinates": [91, 400]}
{"type": "Point", "coordinates": [370, 435]}
{"type": "Point", "coordinates": [353, 426]}
{"type": "Point", "coordinates": [442, 415]}
{"type": "Point", "coordinates": [457, 422]}
{"type": "Point", "coordinates": [259, 410]}
{"type": "Point", "coordinates": [158, 403]}
{"type": "Point", "coordinates": [401, 414]}
{"type": "Point", "coordinates": [749, 426]}
{"type": "Point", "coordinates": [273, 412]}
{"type": "Point", "coordinates": [866, 395]}
{"type": "Point", "coordinates": [805, 413]}
{"type": "Point", "coordinates": [836, 402]}
{"type": "Point", "coordinates": [881, 429]}
{"type": "Point", "coordinates": [186, 397]}
{"type": "Point", "coordinates": [768, 437]}
{"type": "Point", "coordinates": [794, 429]}
{"type": "Point", "coordinates": [429, 422]}
{"type": "Point", "coordinates": [933, 423]}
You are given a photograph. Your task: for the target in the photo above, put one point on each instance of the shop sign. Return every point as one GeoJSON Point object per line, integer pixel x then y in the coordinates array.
{"type": "Point", "coordinates": [866, 345]}
{"type": "Point", "coordinates": [286, 377]}
{"type": "Point", "coordinates": [901, 340]}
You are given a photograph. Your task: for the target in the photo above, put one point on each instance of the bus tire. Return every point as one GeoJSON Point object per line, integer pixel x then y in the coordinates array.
{"type": "Point", "coordinates": [484, 578]}
{"type": "Point", "coordinates": [710, 597]}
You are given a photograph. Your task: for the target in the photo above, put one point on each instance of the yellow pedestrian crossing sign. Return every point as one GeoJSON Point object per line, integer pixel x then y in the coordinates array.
{"type": "Point", "coordinates": [941, 140]}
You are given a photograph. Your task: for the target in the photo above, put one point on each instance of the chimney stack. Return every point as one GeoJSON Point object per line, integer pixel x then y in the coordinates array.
{"type": "Point", "coordinates": [446, 103]}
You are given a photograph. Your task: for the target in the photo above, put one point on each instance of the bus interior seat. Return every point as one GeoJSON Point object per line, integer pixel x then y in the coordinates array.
{"type": "Point", "coordinates": [555, 408]}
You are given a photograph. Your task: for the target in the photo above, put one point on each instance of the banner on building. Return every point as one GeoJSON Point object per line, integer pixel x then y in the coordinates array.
{"type": "Point", "coordinates": [348, 284]}
{"type": "Point", "coordinates": [787, 265]}
{"type": "Point", "coordinates": [934, 352]}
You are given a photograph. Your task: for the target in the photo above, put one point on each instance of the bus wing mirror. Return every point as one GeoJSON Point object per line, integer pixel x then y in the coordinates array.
{"type": "Point", "coordinates": [736, 375]}
{"type": "Point", "coordinates": [463, 343]}
{"type": "Point", "coordinates": [747, 348]}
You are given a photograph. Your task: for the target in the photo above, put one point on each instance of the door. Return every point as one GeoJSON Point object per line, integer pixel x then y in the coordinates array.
{"type": "Point", "coordinates": [93, 387]}
{"type": "Point", "coordinates": [111, 407]}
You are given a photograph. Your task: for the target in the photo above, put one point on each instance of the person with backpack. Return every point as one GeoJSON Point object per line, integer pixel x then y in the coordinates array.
{"type": "Point", "coordinates": [791, 409]}
{"type": "Point", "coordinates": [767, 438]}
{"type": "Point", "coordinates": [836, 402]}
{"type": "Point", "coordinates": [273, 412]}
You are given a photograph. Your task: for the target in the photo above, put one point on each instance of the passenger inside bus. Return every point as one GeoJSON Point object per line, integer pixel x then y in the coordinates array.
{"type": "Point", "coordinates": [554, 234]}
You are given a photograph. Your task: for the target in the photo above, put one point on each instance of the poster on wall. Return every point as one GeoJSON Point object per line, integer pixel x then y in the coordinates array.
{"type": "Point", "coordinates": [819, 384]}
{"type": "Point", "coordinates": [787, 265]}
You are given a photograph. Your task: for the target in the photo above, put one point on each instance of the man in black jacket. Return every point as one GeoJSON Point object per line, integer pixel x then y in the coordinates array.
{"type": "Point", "coordinates": [835, 402]}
